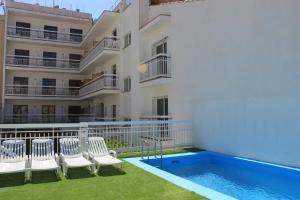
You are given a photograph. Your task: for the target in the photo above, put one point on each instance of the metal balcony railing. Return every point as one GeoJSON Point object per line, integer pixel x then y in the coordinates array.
{"type": "Point", "coordinates": [105, 81]}
{"type": "Point", "coordinates": [48, 118]}
{"type": "Point", "coordinates": [158, 66]}
{"type": "Point", "coordinates": [110, 43]}
{"type": "Point", "coordinates": [34, 62]}
{"type": "Point", "coordinates": [39, 91]}
{"type": "Point", "coordinates": [37, 34]}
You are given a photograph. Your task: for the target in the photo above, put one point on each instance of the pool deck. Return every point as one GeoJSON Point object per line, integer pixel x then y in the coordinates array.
{"type": "Point", "coordinates": [189, 185]}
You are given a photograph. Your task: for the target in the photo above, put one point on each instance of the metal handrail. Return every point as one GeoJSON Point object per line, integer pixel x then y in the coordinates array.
{"type": "Point", "coordinates": [106, 43]}
{"type": "Point", "coordinates": [30, 61]}
{"type": "Point", "coordinates": [156, 67]}
{"type": "Point", "coordinates": [44, 34]}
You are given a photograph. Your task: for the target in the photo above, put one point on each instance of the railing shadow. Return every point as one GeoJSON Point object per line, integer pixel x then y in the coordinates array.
{"type": "Point", "coordinates": [79, 173]}
{"type": "Point", "coordinates": [110, 171]}
{"type": "Point", "coordinates": [44, 177]}
{"type": "Point", "coordinates": [12, 180]}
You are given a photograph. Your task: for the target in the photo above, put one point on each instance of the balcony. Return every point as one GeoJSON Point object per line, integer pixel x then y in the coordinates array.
{"type": "Point", "coordinates": [101, 85]}
{"type": "Point", "coordinates": [104, 50]}
{"type": "Point", "coordinates": [41, 63]}
{"type": "Point", "coordinates": [156, 69]}
{"type": "Point", "coordinates": [44, 35]}
{"type": "Point", "coordinates": [28, 91]}
{"type": "Point", "coordinates": [48, 118]}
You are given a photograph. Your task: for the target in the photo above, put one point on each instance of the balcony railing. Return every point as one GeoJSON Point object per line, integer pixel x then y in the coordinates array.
{"type": "Point", "coordinates": [48, 118]}
{"type": "Point", "coordinates": [122, 136]}
{"type": "Point", "coordinates": [105, 81]}
{"type": "Point", "coordinates": [157, 67]}
{"type": "Point", "coordinates": [34, 62]}
{"type": "Point", "coordinates": [36, 34]}
{"type": "Point", "coordinates": [39, 91]}
{"type": "Point", "coordinates": [110, 43]}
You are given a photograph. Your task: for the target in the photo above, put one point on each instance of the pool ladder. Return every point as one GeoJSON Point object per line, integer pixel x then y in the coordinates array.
{"type": "Point", "coordinates": [148, 143]}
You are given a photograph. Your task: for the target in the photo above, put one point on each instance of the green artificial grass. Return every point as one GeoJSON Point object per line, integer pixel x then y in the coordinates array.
{"type": "Point", "coordinates": [110, 184]}
{"type": "Point", "coordinates": [151, 153]}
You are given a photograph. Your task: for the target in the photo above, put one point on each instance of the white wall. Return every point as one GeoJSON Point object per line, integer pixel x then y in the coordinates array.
{"type": "Point", "coordinates": [236, 66]}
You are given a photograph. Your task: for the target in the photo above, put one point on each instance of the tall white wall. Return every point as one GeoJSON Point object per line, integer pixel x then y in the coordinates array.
{"type": "Point", "coordinates": [236, 65]}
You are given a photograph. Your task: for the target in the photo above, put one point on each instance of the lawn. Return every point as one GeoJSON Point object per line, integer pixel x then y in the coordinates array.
{"type": "Point", "coordinates": [111, 184]}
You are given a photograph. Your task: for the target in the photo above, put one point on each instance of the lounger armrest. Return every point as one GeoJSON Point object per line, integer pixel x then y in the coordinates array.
{"type": "Point", "coordinates": [113, 153]}
{"type": "Point", "coordinates": [86, 155]}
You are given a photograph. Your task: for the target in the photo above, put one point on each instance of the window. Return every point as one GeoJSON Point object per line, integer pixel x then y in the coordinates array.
{"type": "Point", "coordinates": [49, 59]}
{"type": "Point", "coordinates": [127, 84]}
{"type": "Point", "coordinates": [50, 32]}
{"type": "Point", "coordinates": [75, 35]}
{"type": "Point", "coordinates": [74, 60]}
{"type": "Point", "coordinates": [160, 47]}
{"type": "Point", "coordinates": [74, 86]}
{"type": "Point", "coordinates": [23, 29]}
{"type": "Point", "coordinates": [21, 85]}
{"type": "Point", "coordinates": [49, 86]}
{"type": "Point", "coordinates": [127, 40]}
{"type": "Point", "coordinates": [114, 112]}
{"type": "Point", "coordinates": [160, 106]}
{"type": "Point", "coordinates": [115, 34]}
{"type": "Point", "coordinates": [74, 114]}
{"type": "Point", "coordinates": [20, 113]}
{"type": "Point", "coordinates": [21, 57]}
{"type": "Point", "coordinates": [48, 113]}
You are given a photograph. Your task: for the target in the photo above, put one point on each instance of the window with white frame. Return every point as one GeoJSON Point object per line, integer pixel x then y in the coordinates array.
{"type": "Point", "coordinates": [160, 106]}
{"type": "Point", "coordinates": [127, 84]}
{"type": "Point", "coordinates": [127, 40]}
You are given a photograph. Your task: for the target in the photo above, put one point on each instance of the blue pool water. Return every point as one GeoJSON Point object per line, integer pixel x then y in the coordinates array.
{"type": "Point", "coordinates": [236, 177]}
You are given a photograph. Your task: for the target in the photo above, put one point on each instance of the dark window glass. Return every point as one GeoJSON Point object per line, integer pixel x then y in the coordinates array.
{"type": "Point", "coordinates": [74, 114]}
{"type": "Point", "coordinates": [74, 60]}
{"type": "Point", "coordinates": [21, 57]}
{"type": "Point", "coordinates": [48, 113]}
{"type": "Point", "coordinates": [74, 86]}
{"type": "Point", "coordinates": [20, 114]}
{"type": "Point", "coordinates": [49, 87]}
{"type": "Point", "coordinates": [23, 29]}
{"type": "Point", "coordinates": [50, 32]}
{"type": "Point", "coordinates": [75, 35]}
{"type": "Point", "coordinates": [20, 85]}
{"type": "Point", "coordinates": [49, 59]}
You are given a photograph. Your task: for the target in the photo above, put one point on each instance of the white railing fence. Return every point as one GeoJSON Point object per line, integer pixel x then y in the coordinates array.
{"type": "Point", "coordinates": [120, 136]}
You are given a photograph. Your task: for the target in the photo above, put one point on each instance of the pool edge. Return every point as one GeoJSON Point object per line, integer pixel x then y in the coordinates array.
{"type": "Point", "coordinates": [181, 182]}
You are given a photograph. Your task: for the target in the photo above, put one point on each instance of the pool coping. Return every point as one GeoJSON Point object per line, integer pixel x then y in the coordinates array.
{"type": "Point", "coordinates": [186, 184]}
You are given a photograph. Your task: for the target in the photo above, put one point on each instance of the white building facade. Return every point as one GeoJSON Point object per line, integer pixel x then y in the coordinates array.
{"type": "Point", "coordinates": [229, 66]}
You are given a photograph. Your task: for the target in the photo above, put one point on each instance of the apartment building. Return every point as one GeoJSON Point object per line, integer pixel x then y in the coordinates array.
{"type": "Point", "coordinates": [230, 66]}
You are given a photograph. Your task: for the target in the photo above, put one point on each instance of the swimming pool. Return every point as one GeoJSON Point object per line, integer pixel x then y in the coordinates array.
{"type": "Point", "coordinates": [219, 176]}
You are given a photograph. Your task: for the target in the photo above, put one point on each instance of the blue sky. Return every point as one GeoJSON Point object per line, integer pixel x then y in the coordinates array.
{"type": "Point", "coordinates": [91, 6]}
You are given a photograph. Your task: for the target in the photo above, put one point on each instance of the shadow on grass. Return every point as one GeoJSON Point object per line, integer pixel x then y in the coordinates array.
{"type": "Point", "coordinates": [110, 171]}
{"type": "Point", "coordinates": [11, 180]}
{"type": "Point", "coordinates": [79, 173]}
{"type": "Point", "coordinates": [44, 177]}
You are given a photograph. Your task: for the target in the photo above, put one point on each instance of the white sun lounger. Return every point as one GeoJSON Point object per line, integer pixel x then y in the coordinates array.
{"type": "Point", "coordinates": [13, 157]}
{"type": "Point", "coordinates": [72, 156]}
{"type": "Point", "coordinates": [100, 155]}
{"type": "Point", "coordinates": [43, 157]}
